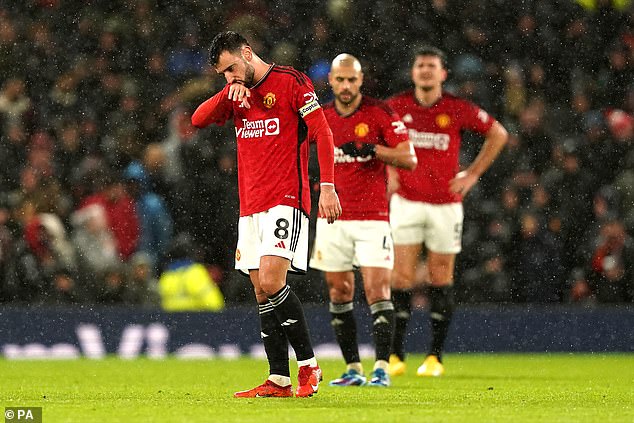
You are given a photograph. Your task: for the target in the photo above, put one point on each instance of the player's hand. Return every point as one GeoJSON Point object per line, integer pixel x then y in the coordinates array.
{"type": "Point", "coordinates": [329, 206]}
{"type": "Point", "coordinates": [238, 92]}
{"type": "Point", "coordinates": [358, 149]}
{"type": "Point", "coordinates": [462, 182]}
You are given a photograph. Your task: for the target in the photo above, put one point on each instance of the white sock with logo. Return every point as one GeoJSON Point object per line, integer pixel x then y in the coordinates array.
{"type": "Point", "coordinates": [358, 367]}
{"type": "Point", "coordinates": [312, 362]}
{"type": "Point", "coordinates": [381, 364]}
{"type": "Point", "coordinates": [280, 380]}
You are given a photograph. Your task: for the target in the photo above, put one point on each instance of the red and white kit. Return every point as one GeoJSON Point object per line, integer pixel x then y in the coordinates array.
{"type": "Point", "coordinates": [361, 236]}
{"type": "Point", "coordinates": [361, 181]}
{"type": "Point", "coordinates": [424, 196]}
{"type": "Point", "coordinates": [272, 137]}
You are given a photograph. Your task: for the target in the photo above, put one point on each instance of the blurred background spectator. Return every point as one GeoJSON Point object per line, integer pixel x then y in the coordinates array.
{"type": "Point", "coordinates": [186, 285]}
{"type": "Point", "coordinates": [155, 222]}
{"type": "Point", "coordinates": [102, 169]}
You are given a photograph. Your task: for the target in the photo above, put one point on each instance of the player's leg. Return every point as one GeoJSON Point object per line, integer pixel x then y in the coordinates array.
{"type": "Point", "coordinates": [376, 282]}
{"type": "Point", "coordinates": [403, 280]}
{"type": "Point", "coordinates": [333, 254]}
{"type": "Point", "coordinates": [341, 293]}
{"type": "Point", "coordinates": [275, 343]}
{"type": "Point", "coordinates": [407, 219]}
{"type": "Point", "coordinates": [444, 242]}
{"type": "Point", "coordinates": [441, 307]}
{"type": "Point", "coordinates": [375, 254]}
{"type": "Point", "coordinates": [273, 337]}
{"type": "Point", "coordinates": [285, 246]}
{"type": "Point", "coordinates": [290, 313]}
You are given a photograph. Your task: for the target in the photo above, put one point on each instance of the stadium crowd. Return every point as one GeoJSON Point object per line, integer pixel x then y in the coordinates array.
{"type": "Point", "coordinates": [103, 176]}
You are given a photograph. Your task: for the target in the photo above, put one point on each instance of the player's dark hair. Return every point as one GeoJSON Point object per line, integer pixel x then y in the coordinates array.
{"type": "Point", "coordinates": [225, 41]}
{"type": "Point", "coordinates": [427, 50]}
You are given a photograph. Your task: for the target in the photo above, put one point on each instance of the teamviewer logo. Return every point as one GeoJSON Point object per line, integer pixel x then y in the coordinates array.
{"type": "Point", "coordinates": [272, 126]}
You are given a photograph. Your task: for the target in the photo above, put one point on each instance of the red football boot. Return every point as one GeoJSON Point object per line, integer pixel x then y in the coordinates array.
{"type": "Point", "coordinates": [267, 389]}
{"type": "Point", "coordinates": [309, 378]}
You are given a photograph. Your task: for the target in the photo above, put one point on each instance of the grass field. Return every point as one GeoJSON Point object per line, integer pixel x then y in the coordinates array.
{"type": "Point", "coordinates": [476, 388]}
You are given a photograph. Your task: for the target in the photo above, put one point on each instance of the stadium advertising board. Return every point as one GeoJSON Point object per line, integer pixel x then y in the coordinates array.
{"type": "Point", "coordinates": [97, 332]}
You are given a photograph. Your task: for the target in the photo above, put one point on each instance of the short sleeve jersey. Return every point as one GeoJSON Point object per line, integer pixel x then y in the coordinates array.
{"type": "Point", "coordinates": [272, 141]}
{"type": "Point", "coordinates": [435, 133]}
{"type": "Point", "coordinates": [361, 181]}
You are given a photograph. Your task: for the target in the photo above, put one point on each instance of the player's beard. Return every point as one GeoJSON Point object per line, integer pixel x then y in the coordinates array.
{"type": "Point", "coordinates": [249, 71]}
{"type": "Point", "coordinates": [350, 100]}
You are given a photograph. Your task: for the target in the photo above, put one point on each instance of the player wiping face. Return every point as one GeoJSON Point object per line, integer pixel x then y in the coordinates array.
{"type": "Point", "coordinates": [238, 72]}
{"type": "Point", "coordinates": [274, 193]}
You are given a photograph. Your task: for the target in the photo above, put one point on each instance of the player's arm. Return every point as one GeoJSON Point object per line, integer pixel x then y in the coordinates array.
{"type": "Point", "coordinates": [494, 142]}
{"type": "Point", "coordinates": [217, 109]}
{"type": "Point", "coordinates": [403, 155]}
{"type": "Point", "coordinates": [319, 131]}
{"type": "Point", "coordinates": [398, 151]}
{"type": "Point", "coordinates": [393, 180]}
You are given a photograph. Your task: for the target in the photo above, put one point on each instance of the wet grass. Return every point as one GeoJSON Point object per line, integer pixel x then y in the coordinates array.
{"type": "Point", "coordinates": [476, 388]}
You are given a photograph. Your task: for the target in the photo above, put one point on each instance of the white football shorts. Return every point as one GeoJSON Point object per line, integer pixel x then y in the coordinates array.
{"type": "Point", "coordinates": [346, 244]}
{"type": "Point", "coordinates": [280, 231]}
{"type": "Point", "coordinates": [438, 226]}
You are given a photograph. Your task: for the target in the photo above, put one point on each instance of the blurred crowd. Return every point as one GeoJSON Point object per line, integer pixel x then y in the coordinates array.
{"type": "Point", "coordinates": [106, 190]}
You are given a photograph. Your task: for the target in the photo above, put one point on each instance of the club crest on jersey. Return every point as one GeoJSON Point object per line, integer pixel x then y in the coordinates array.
{"type": "Point", "coordinates": [269, 100]}
{"type": "Point", "coordinates": [361, 130]}
{"type": "Point", "coordinates": [238, 255]}
{"type": "Point", "coordinates": [443, 120]}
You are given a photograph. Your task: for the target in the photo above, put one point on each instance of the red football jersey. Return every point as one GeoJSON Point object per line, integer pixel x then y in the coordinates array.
{"type": "Point", "coordinates": [435, 133]}
{"type": "Point", "coordinates": [272, 140]}
{"type": "Point", "coordinates": [361, 181]}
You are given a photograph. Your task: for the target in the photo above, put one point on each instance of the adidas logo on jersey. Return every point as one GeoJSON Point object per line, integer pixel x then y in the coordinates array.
{"type": "Point", "coordinates": [280, 245]}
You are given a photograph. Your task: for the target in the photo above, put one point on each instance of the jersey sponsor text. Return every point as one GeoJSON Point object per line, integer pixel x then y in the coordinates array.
{"type": "Point", "coordinates": [429, 140]}
{"type": "Point", "coordinates": [258, 128]}
{"type": "Point", "coordinates": [341, 157]}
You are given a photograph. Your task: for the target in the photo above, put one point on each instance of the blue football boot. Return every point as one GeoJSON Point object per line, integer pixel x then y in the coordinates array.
{"type": "Point", "coordinates": [349, 378]}
{"type": "Point", "coordinates": [379, 378]}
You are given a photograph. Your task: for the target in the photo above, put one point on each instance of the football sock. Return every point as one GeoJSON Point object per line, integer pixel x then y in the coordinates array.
{"type": "Point", "coordinates": [381, 364]}
{"type": "Point", "coordinates": [382, 327]}
{"type": "Point", "coordinates": [274, 340]}
{"type": "Point", "coordinates": [290, 314]}
{"type": "Point", "coordinates": [402, 314]}
{"type": "Point", "coordinates": [312, 362]}
{"type": "Point", "coordinates": [345, 327]}
{"type": "Point", "coordinates": [441, 310]}
{"type": "Point", "coordinates": [280, 380]}
{"type": "Point", "coordinates": [358, 367]}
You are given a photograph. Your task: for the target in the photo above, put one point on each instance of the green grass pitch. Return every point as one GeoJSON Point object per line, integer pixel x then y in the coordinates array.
{"type": "Point", "coordinates": [475, 388]}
